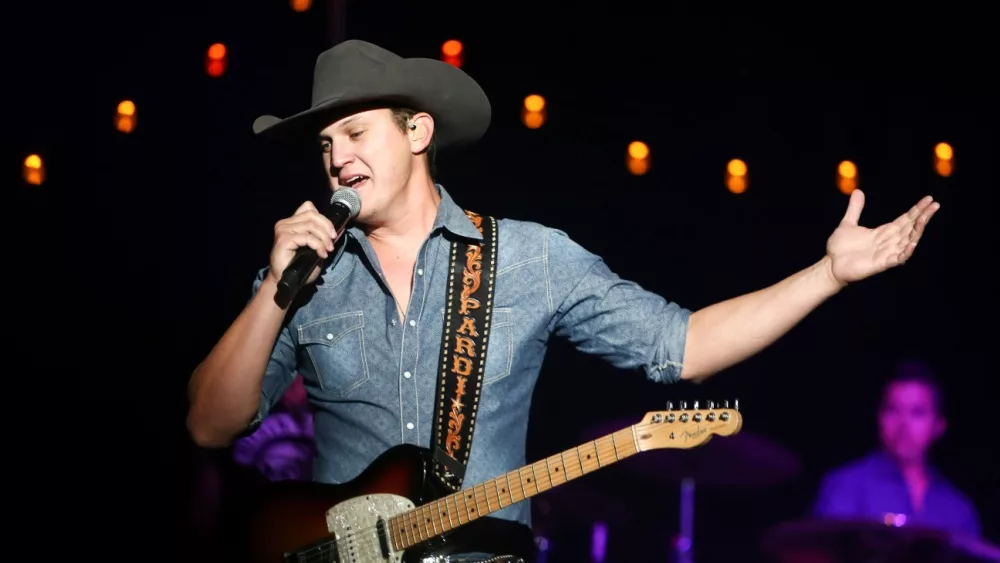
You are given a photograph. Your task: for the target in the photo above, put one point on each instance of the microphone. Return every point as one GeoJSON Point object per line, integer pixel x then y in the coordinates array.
{"type": "Point", "coordinates": [345, 204]}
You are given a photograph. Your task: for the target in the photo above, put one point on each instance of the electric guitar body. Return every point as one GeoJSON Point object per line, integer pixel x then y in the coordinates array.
{"type": "Point", "coordinates": [291, 521]}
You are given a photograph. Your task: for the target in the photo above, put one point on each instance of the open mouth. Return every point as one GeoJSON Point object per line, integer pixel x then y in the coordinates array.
{"type": "Point", "coordinates": [355, 182]}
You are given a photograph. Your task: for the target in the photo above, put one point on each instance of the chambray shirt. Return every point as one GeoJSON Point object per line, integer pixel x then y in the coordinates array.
{"type": "Point", "coordinates": [371, 378]}
{"type": "Point", "coordinates": [873, 488]}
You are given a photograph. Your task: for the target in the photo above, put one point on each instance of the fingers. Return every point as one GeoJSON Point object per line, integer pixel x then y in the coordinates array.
{"type": "Point", "coordinates": [290, 240]}
{"type": "Point", "coordinates": [307, 227]}
{"type": "Point", "coordinates": [307, 214]}
{"type": "Point", "coordinates": [917, 227]}
{"type": "Point", "coordinates": [854, 207]}
{"type": "Point", "coordinates": [925, 203]}
{"type": "Point", "coordinates": [305, 207]}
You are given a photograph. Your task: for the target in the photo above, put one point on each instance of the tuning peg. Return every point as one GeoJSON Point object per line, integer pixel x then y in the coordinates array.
{"type": "Point", "coordinates": [695, 407]}
{"type": "Point", "coordinates": [684, 405]}
{"type": "Point", "coordinates": [737, 404]}
{"type": "Point", "coordinates": [670, 405]}
{"type": "Point", "coordinates": [725, 404]}
{"type": "Point", "coordinates": [711, 405]}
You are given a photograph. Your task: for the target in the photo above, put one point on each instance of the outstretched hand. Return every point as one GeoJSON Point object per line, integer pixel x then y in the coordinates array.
{"type": "Point", "coordinates": [858, 252]}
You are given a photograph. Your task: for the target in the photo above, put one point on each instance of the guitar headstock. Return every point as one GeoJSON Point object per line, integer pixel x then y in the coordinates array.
{"type": "Point", "coordinates": [687, 428]}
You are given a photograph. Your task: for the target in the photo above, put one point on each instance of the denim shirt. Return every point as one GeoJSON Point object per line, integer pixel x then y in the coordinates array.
{"type": "Point", "coordinates": [873, 488]}
{"type": "Point", "coordinates": [371, 378]}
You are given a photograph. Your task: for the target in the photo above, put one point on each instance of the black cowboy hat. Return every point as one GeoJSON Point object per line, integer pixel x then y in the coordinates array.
{"type": "Point", "coordinates": [356, 75]}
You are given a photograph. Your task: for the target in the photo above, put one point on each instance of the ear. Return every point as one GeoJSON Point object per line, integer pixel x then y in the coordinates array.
{"type": "Point", "coordinates": [420, 130]}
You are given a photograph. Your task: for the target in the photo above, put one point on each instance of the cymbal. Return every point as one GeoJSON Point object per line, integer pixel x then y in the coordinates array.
{"type": "Point", "coordinates": [858, 541]}
{"type": "Point", "coordinates": [745, 460]}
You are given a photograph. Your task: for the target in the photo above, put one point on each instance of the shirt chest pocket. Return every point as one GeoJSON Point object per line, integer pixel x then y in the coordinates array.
{"type": "Point", "coordinates": [500, 353]}
{"type": "Point", "coordinates": [335, 346]}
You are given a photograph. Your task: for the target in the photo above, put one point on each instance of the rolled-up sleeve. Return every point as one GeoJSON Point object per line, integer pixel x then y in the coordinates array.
{"type": "Point", "coordinates": [611, 318]}
{"type": "Point", "coordinates": [281, 368]}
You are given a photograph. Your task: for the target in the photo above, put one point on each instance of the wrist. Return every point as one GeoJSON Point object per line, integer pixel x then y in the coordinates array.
{"type": "Point", "coordinates": [825, 277]}
{"type": "Point", "coordinates": [268, 289]}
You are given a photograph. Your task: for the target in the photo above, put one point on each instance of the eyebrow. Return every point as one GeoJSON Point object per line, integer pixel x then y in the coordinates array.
{"type": "Point", "coordinates": [346, 123]}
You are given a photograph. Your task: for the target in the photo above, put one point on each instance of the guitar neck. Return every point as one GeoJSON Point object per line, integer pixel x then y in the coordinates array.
{"type": "Point", "coordinates": [450, 512]}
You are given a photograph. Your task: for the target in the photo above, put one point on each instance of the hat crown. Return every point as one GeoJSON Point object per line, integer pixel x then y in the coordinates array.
{"type": "Point", "coordinates": [350, 62]}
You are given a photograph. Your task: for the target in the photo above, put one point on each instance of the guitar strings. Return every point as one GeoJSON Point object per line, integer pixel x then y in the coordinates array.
{"type": "Point", "coordinates": [320, 553]}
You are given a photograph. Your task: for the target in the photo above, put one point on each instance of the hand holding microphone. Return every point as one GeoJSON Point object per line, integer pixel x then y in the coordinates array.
{"type": "Point", "coordinates": [304, 240]}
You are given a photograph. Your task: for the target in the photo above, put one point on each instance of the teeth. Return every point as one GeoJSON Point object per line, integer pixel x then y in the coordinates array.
{"type": "Point", "coordinates": [354, 180]}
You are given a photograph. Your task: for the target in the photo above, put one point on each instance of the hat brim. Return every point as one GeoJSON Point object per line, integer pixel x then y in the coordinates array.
{"type": "Point", "coordinates": [459, 106]}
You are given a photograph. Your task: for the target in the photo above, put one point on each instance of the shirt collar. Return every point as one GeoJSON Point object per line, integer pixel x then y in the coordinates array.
{"type": "Point", "coordinates": [450, 217]}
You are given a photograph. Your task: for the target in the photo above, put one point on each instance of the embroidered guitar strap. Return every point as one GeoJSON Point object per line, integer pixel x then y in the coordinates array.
{"type": "Point", "coordinates": [463, 351]}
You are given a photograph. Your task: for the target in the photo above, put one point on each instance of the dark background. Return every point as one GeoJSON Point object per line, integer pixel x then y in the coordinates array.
{"type": "Point", "coordinates": [138, 250]}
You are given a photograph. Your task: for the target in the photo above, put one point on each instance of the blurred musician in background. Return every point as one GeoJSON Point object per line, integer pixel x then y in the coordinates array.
{"type": "Point", "coordinates": [896, 483]}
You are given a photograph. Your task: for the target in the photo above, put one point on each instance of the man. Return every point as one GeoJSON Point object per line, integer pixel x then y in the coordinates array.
{"type": "Point", "coordinates": [897, 483]}
{"type": "Point", "coordinates": [283, 446]}
{"type": "Point", "coordinates": [368, 336]}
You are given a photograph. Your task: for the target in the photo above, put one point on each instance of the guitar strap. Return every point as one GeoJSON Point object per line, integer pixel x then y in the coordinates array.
{"type": "Point", "coordinates": [463, 351]}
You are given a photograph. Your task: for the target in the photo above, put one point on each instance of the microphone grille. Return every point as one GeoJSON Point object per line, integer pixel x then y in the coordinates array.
{"type": "Point", "coordinates": [348, 198]}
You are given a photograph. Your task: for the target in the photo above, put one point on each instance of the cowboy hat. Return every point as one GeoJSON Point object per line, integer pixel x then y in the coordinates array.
{"type": "Point", "coordinates": [356, 75]}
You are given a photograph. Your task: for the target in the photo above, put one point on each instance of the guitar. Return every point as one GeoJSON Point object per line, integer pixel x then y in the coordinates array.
{"type": "Point", "coordinates": [392, 512]}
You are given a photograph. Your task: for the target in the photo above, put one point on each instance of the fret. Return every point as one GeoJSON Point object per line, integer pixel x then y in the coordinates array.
{"type": "Point", "coordinates": [459, 512]}
{"type": "Point", "coordinates": [438, 508]}
{"type": "Point", "coordinates": [430, 520]}
{"type": "Point", "coordinates": [510, 489]}
{"type": "Point", "coordinates": [400, 524]}
{"type": "Point", "coordinates": [478, 510]}
{"type": "Point", "coordinates": [428, 515]}
{"type": "Point", "coordinates": [614, 444]}
{"type": "Point", "coordinates": [422, 531]}
{"type": "Point", "coordinates": [566, 474]}
{"type": "Point", "coordinates": [496, 487]}
{"type": "Point", "coordinates": [560, 471]}
{"type": "Point", "coordinates": [579, 459]}
{"type": "Point", "coordinates": [538, 486]}
{"type": "Point", "coordinates": [601, 459]}
{"type": "Point", "coordinates": [415, 526]}
{"type": "Point", "coordinates": [590, 456]}
{"type": "Point", "coordinates": [524, 488]}
{"type": "Point", "coordinates": [547, 474]}
{"type": "Point", "coordinates": [470, 511]}
{"type": "Point", "coordinates": [447, 511]}
{"type": "Point", "coordinates": [486, 499]}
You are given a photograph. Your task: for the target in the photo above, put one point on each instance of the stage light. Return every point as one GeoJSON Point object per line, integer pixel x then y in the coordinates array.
{"type": "Point", "coordinates": [847, 177]}
{"type": "Point", "coordinates": [34, 170]}
{"type": "Point", "coordinates": [125, 117]}
{"type": "Point", "coordinates": [451, 52]}
{"type": "Point", "coordinates": [736, 176]}
{"type": "Point", "coordinates": [944, 159]}
{"type": "Point", "coordinates": [637, 158]}
{"type": "Point", "coordinates": [215, 60]}
{"type": "Point", "coordinates": [533, 113]}
{"type": "Point", "coordinates": [598, 542]}
{"type": "Point", "coordinates": [300, 5]}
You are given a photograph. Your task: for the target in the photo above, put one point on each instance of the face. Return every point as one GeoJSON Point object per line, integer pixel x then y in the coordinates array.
{"type": "Point", "coordinates": [908, 421]}
{"type": "Point", "coordinates": [369, 153]}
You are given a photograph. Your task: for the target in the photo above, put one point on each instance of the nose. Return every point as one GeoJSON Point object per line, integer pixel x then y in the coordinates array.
{"type": "Point", "coordinates": [339, 158]}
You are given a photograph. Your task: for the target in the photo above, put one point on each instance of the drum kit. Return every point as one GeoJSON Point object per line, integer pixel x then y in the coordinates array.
{"type": "Point", "coordinates": [749, 461]}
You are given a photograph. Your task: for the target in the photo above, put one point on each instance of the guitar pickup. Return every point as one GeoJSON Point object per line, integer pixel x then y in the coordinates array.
{"type": "Point", "coordinates": [383, 538]}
